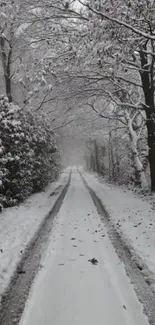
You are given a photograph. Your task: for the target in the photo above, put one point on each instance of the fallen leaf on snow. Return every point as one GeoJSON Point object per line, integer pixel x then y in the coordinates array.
{"type": "Point", "coordinates": [94, 261]}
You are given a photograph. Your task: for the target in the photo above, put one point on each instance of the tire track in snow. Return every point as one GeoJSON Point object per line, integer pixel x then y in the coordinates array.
{"type": "Point", "coordinates": [14, 299]}
{"type": "Point", "coordinates": [144, 292]}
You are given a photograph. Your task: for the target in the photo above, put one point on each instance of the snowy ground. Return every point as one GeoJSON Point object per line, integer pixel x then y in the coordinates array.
{"type": "Point", "coordinates": [133, 217]}
{"type": "Point", "coordinates": [69, 289]}
{"type": "Point", "coordinates": [18, 226]}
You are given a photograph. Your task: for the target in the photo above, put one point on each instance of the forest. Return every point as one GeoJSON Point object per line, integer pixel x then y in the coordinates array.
{"type": "Point", "coordinates": [82, 72]}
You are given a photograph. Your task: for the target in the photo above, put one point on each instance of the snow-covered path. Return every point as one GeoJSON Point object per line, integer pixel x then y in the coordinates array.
{"type": "Point", "coordinates": [70, 290]}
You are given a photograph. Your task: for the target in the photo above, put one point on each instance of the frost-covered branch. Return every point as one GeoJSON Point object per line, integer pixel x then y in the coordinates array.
{"type": "Point", "coordinates": [119, 22]}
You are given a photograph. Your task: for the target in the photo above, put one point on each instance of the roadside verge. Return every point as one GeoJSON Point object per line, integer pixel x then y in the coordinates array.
{"type": "Point", "coordinates": [136, 269]}
{"type": "Point", "coordinates": [19, 225]}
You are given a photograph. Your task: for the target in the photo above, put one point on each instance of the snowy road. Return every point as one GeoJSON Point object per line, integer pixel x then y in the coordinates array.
{"type": "Point", "coordinates": [70, 290]}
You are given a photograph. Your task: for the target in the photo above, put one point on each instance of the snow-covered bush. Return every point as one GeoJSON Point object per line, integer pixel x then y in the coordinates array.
{"type": "Point", "coordinates": [28, 156]}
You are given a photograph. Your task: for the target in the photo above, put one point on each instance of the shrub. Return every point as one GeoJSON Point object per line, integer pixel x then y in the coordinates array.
{"type": "Point", "coordinates": [29, 159]}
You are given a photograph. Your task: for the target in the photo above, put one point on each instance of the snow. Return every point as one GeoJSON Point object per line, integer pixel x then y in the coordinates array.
{"type": "Point", "coordinates": [133, 216]}
{"type": "Point", "coordinates": [14, 109]}
{"type": "Point", "coordinates": [21, 29]}
{"type": "Point", "coordinates": [18, 226]}
{"type": "Point", "coordinates": [69, 289]}
{"type": "Point", "coordinates": [15, 122]}
{"type": "Point", "coordinates": [123, 23]}
{"type": "Point", "coordinates": [3, 15]}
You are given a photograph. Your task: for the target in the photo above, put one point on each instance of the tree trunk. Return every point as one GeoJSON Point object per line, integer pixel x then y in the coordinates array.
{"type": "Point", "coordinates": [139, 170]}
{"type": "Point", "coordinates": [8, 77]}
{"type": "Point", "coordinates": [96, 152]}
{"type": "Point", "coordinates": [6, 63]}
{"type": "Point", "coordinates": [92, 162]}
{"type": "Point", "coordinates": [148, 89]}
{"type": "Point", "coordinates": [102, 163]}
{"type": "Point", "coordinates": [111, 160]}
